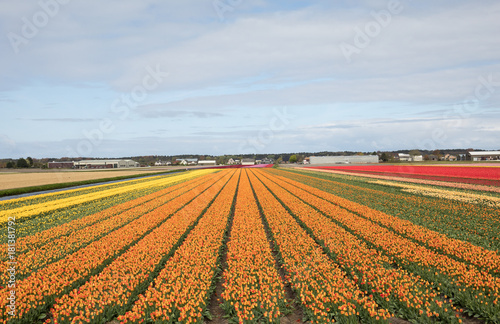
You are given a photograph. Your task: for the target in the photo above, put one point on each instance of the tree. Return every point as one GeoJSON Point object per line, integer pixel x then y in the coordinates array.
{"type": "Point", "coordinates": [30, 161]}
{"type": "Point", "coordinates": [22, 163]}
{"type": "Point", "coordinates": [415, 153]}
{"type": "Point", "coordinates": [293, 159]}
{"type": "Point", "coordinates": [11, 165]}
{"type": "Point", "coordinates": [384, 157]}
{"type": "Point", "coordinates": [437, 153]}
{"type": "Point", "coordinates": [221, 160]}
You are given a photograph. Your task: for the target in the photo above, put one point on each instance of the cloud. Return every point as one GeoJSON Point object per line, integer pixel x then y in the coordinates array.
{"type": "Point", "coordinates": [62, 120]}
{"type": "Point", "coordinates": [417, 72]}
{"type": "Point", "coordinates": [164, 111]}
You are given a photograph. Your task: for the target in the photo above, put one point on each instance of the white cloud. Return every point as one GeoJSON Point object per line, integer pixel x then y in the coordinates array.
{"type": "Point", "coordinates": [265, 54]}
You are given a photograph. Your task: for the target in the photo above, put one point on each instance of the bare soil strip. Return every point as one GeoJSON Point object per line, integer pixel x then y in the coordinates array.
{"type": "Point", "coordinates": [30, 179]}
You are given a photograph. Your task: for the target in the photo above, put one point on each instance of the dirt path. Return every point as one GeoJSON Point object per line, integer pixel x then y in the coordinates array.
{"type": "Point", "coordinates": [29, 179]}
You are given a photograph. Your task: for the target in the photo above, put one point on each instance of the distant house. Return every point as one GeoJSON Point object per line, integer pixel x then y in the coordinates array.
{"type": "Point", "coordinates": [162, 163]}
{"type": "Point", "coordinates": [267, 161]}
{"type": "Point", "coordinates": [187, 161]}
{"type": "Point", "coordinates": [449, 157]}
{"type": "Point", "coordinates": [404, 157]}
{"type": "Point", "coordinates": [417, 158]}
{"type": "Point", "coordinates": [231, 161]}
{"type": "Point", "coordinates": [248, 162]}
{"type": "Point", "coordinates": [207, 162]}
{"type": "Point", "coordinates": [484, 156]}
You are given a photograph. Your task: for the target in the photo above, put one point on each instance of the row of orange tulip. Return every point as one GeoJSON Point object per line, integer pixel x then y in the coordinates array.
{"type": "Point", "coordinates": [108, 292]}
{"type": "Point", "coordinates": [44, 237]}
{"type": "Point", "coordinates": [57, 248]}
{"type": "Point", "coordinates": [42, 286]}
{"type": "Point", "coordinates": [484, 259]}
{"type": "Point", "coordinates": [394, 289]}
{"type": "Point", "coordinates": [477, 290]}
{"type": "Point", "coordinates": [181, 291]}
{"type": "Point", "coordinates": [253, 289]}
{"type": "Point", "coordinates": [322, 287]}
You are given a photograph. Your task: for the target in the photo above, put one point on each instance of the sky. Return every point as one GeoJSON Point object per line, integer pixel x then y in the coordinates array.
{"type": "Point", "coordinates": [125, 77]}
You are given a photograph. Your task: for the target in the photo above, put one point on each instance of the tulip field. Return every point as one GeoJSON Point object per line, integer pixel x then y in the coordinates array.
{"type": "Point", "coordinates": [252, 245]}
{"type": "Point", "coordinates": [489, 176]}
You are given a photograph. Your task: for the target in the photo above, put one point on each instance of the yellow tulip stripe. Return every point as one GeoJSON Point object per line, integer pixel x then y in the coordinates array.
{"type": "Point", "coordinates": [109, 291]}
{"type": "Point", "coordinates": [61, 203]}
{"type": "Point", "coordinates": [476, 290]}
{"type": "Point", "coordinates": [394, 289]}
{"type": "Point", "coordinates": [322, 287]}
{"type": "Point", "coordinates": [33, 225]}
{"type": "Point", "coordinates": [40, 198]}
{"type": "Point", "coordinates": [253, 289]}
{"type": "Point", "coordinates": [465, 196]}
{"type": "Point", "coordinates": [484, 259]}
{"type": "Point", "coordinates": [57, 248]}
{"type": "Point", "coordinates": [48, 236]}
{"type": "Point", "coordinates": [182, 290]}
{"type": "Point", "coordinates": [45, 284]}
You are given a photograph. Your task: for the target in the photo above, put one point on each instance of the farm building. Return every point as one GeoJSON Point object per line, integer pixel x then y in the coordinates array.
{"type": "Point", "coordinates": [187, 161]}
{"type": "Point", "coordinates": [162, 163]}
{"type": "Point", "coordinates": [105, 164]}
{"type": "Point", "coordinates": [207, 162]}
{"type": "Point", "coordinates": [484, 156]}
{"type": "Point", "coordinates": [248, 162]}
{"type": "Point", "coordinates": [404, 157]}
{"type": "Point", "coordinates": [343, 159]}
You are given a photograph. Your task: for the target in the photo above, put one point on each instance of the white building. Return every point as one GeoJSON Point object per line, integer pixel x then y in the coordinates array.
{"type": "Point", "coordinates": [404, 157]}
{"type": "Point", "coordinates": [485, 156]}
{"type": "Point", "coordinates": [248, 162]}
{"type": "Point", "coordinates": [207, 162]}
{"type": "Point", "coordinates": [105, 164]}
{"type": "Point", "coordinates": [187, 161]}
{"type": "Point", "coordinates": [343, 159]}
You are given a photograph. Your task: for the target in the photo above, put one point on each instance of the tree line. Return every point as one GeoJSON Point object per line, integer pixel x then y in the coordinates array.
{"type": "Point", "coordinates": [23, 163]}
